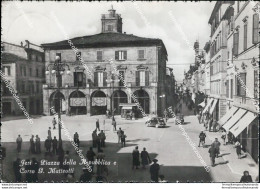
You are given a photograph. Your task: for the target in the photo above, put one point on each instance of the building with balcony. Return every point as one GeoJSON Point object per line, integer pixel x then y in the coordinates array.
{"type": "Point", "coordinates": [141, 62]}
{"type": "Point", "coordinates": [242, 81]}
{"type": "Point", "coordinates": [23, 66]}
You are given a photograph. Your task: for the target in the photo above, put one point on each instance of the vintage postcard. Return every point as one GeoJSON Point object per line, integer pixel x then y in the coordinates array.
{"type": "Point", "coordinates": [119, 92]}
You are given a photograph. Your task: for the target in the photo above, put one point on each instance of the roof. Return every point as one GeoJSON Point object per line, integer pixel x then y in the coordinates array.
{"type": "Point", "coordinates": [105, 40]}
{"type": "Point", "coordinates": [8, 57]}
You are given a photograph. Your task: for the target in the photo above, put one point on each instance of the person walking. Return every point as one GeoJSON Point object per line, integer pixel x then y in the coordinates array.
{"type": "Point", "coordinates": [90, 157]}
{"type": "Point", "coordinates": [224, 136]}
{"type": "Point", "coordinates": [202, 138]}
{"type": "Point", "coordinates": [102, 137]}
{"type": "Point", "coordinates": [216, 145]}
{"type": "Point", "coordinates": [54, 122]}
{"type": "Point", "coordinates": [119, 134]}
{"type": "Point", "coordinates": [214, 125]}
{"type": "Point", "coordinates": [123, 137]}
{"type": "Point", "coordinates": [54, 145]}
{"type": "Point", "coordinates": [17, 170]}
{"type": "Point", "coordinates": [210, 124]}
{"type": "Point", "coordinates": [238, 149]}
{"type": "Point", "coordinates": [49, 133]}
{"type": "Point", "coordinates": [154, 171]}
{"type": "Point", "coordinates": [32, 145]}
{"type": "Point", "coordinates": [114, 123]}
{"type": "Point", "coordinates": [212, 155]}
{"type": "Point", "coordinates": [19, 141]}
{"type": "Point", "coordinates": [94, 138]}
{"type": "Point", "coordinates": [135, 155]}
{"type": "Point", "coordinates": [145, 158]}
{"type": "Point", "coordinates": [47, 145]}
{"type": "Point", "coordinates": [38, 144]}
{"type": "Point", "coordinates": [76, 139]}
{"type": "Point", "coordinates": [246, 177]}
{"type": "Point", "coordinates": [35, 167]}
{"type": "Point", "coordinates": [97, 125]}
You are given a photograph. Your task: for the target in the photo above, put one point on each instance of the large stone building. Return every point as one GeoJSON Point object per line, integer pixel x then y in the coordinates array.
{"type": "Point", "coordinates": [23, 66]}
{"type": "Point", "coordinates": [141, 61]}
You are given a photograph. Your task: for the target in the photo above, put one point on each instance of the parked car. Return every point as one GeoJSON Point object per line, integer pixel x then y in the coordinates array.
{"type": "Point", "coordinates": [155, 122]}
{"type": "Point", "coordinates": [179, 119]}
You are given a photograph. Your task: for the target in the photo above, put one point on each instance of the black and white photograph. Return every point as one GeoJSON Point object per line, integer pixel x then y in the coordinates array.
{"type": "Point", "coordinates": [130, 92]}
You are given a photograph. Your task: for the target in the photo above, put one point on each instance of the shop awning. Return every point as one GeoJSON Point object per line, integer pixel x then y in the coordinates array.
{"type": "Point", "coordinates": [208, 105]}
{"type": "Point", "coordinates": [213, 106]}
{"type": "Point", "coordinates": [242, 123]}
{"type": "Point", "coordinates": [227, 116]}
{"type": "Point", "coordinates": [230, 123]}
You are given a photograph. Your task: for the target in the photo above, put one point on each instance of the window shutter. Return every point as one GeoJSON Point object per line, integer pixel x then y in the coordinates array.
{"type": "Point", "coordinates": [235, 44]}
{"type": "Point", "coordinates": [137, 77]}
{"type": "Point", "coordinates": [255, 28]}
{"type": "Point", "coordinates": [117, 55]}
{"type": "Point", "coordinates": [146, 78]}
{"type": "Point", "coordinates": [95, 79]}
{"type": "Point", "coordinates": [245, 36]}
{"type": "Point", "coordinates": [243, 84]}
{"type": "Point", "coordinates": [125, 55]}
{"type": "Point", "coordinates": [104, 79]}
{"type": "Point", "coordinates": [232, 23]}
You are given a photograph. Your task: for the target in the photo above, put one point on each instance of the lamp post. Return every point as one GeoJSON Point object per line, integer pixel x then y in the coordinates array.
{"type": "Point", "coordinates": [58, 68]}
{"type": "Point", "coordinates": [112, 81]}
{"type": "Point", "coordinates": [162, 97]}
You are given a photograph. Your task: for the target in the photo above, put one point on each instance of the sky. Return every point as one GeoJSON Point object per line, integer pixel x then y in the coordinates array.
{"type": "Point", "coordinates": [178, 24]}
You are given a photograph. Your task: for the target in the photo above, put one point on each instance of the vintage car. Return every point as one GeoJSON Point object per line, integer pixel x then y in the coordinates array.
{"type": "Point", "coordinates": [155, 122]}
{"type": "Point", "coordinates": [179, 119]}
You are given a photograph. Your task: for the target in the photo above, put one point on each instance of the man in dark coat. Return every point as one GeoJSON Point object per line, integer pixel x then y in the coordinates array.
{"type": "Point", "coordinates": [123, 137]}
{"type": "Point", "coordinates": [86, 176]}
{"type": "Point", "coordinates": [19, 141]}
{"type": "Point", "coordinates": [97, 125]}
{"type": "Point", "coordinates": [90, 157]}
{"type": "Point", "coordinates": [47, 144]}
{"type": "Point", "coordinates": [145, 158]}
{"type": "Point", "coordinates": [102, 138]}
{"type": "Point", "coordinates": [17, 167]}
{"type": "Point", "coordinates": [212, 155]}
{"type": "Point", "coordinates": [38, 144]}
{"type": "Point", "coordinates": [154, 171]}
{"type": "Point", "coordinates": [54, 145]}
{"type": "Point", "coordinates": [32, 145]}
{"type": "Point", "coordinates": [94, 138]}
{"type": "Point", "coordinates": [246, 177]}
{"type": "Point", "coordinates": [135, 155]}
{"type": "Point", "coordinates": [35, 168]}
{"type": "Point", "coordinates": [216, 145]}
{"type": "Point", "coordinates": [202, 137]}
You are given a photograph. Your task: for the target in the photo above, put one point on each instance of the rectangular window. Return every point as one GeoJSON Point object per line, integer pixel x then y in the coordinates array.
{"type": "Point", "coordinates": [227, 88]}
{"type": "Point", "coordinates": [120, 55]}
{"type": "Point", "coordinates": [140, 54]}
{"type": "Point", "coordinates": [241, 84]}
{"type": "Point", "coordinates": [256, 84]}
{"type": "Point", "coordinates": [100, 79]}
{"type": "Point", "coordinates": [235, 43]}
{"type": "Point", "coordinates": [109, 28]}
{"type": "Point", "coordinates": [7, 70]}
{"type": "Point", "coordinates": [245, 36]}
{"type": "Point", "coordinates": [231, 88]}
{"type": "Point", "coordinates": [79, 79]}
{"type": "Point", "coordinates": [99, 55]}
{"type": "Point", "coordinates": [78, 55]}
{"type": "Point", "coordinates": [255, 36]}
{"type": "Point", "coordinates": [121, 78]}
{"type": "Point", "coordinates": [142, 78]}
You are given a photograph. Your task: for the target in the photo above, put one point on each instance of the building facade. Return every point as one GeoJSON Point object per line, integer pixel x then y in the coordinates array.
{"type": "Point", "coordinates": [23, 66]}
{"type": "Point", "coordinates": [140, 61]}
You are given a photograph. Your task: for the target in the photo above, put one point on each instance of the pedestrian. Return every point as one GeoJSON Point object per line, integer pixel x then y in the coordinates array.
{"type": "Point", "coordinates": [246, 177]}
{"type": "Point", "coordinates": [49, 133]}
{"type": "Point", "coordinates": [94, 138]}
{"type": "Point", "coordinates": [86, 176]}
{"type": "Point", "coordinates": [32, 145]}
{"type": "Point", "coordinates": [224, 136]}
{"type": "Point", "coordinates": [107, 113]}
{"type": "Point", "coordinates": [102, 137]}
{"type": "Point", "coordinates": [199, 117]}
{"type": "Point", "coordinates": [212, 155]}
{"type": "Point", "coordinates": [206, 123]}
{"type": "Point", "coordinates": [145, 158]}
{"type": "Point", "coordinates": [17, 170]}
{"type": "Point", "coordinates": [19, 141]}
{"type": "Point", "coordinates": [123, 137]}
{"type": "Point", "coordinates": [90, 157]}
{"type": "Point", "coordinates": [54, 145]}
{"type": "Point", "coordinates": [119, 133]}
{"type": "Point", "coordinates": [154, 171]}
{"type": "Point", "coordinates": [35, 168]}
{"type": "Point", "coordinates": [238, 149]}
{"type": "Point", "coordinates": [214, 125]}
{"type": "Point", "coordinates": [210, 124]}
{"type": "Point", "coordinates": [216, 145]}
{"type": "Point", "coordinates": [114, 123]}
{"type": "Point", "coordinates": [47, 145]}
{"type": "Point", "coordinates": [97, 125]}
{"type": "Point", "coordinates": [76, 139]}
{"type": "Point", "coordinates": [38, 144]}
{"type": "Point", "coordinates": [135, 155]}
{"type": "Point", "coordinates": [202, 138]}
{"type": "Point", "coordinates": [54, 122]}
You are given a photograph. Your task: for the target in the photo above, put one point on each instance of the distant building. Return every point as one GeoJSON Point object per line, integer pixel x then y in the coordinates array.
{"type": "Point", "coordinates": [23, 66]}
{"type": "Point", "coordinates": [141, 61]}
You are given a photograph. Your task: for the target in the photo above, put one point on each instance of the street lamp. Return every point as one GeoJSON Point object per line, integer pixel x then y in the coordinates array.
{"type": "Point", "coordinates": [112, 81]}
{"type": "Point", "coordinates": [58, 67]}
